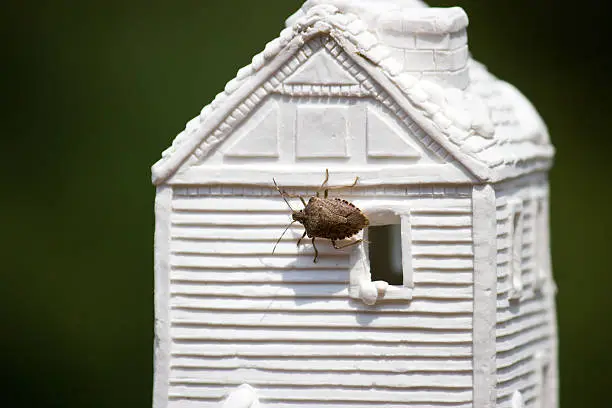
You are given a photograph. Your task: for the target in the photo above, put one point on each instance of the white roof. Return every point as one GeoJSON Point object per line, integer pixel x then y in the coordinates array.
{"type": "Point", "coordinates": [490, 127]}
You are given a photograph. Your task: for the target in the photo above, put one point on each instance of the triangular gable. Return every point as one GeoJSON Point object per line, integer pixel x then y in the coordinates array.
{"type": "Point", "coordinates": [387, 139]}
{"type": "Point", "coordinates": [269, 70]}
{"type": "Point", "coordinates": [259, 136]}
{"type": "Point", "coordinates": [321, 68]}
{"type": "Point", "coordinates": [316, 120]}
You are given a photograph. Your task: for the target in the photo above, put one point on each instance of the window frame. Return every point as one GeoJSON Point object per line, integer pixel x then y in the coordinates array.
{"type": "Point", "coordinates": [361, 284]}
{"type": "Point", "coordinates": [515, 235]}
{"type": "Point", "coordinates": [541, 241]}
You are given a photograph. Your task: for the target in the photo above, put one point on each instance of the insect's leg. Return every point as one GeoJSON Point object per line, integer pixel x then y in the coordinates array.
{"type": "Point", "coordinates": [301, 238]}
{"type": "Point", "coordinates": [284, 194]}
{"type": "Point", "coordinates": [316, 252]}
{"type": "Point", "coordinates": [324, 184]}
{"type": "Point", "coordinates": [326, 179]}
{"type": "Point", "coordinates": [326, 188]}
{"type": "Point", "coordinates": [346, 245]}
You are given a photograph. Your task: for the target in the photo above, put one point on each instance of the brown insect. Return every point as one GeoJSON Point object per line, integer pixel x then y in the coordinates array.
{"type": "Point", "coordinates": [330, 218]}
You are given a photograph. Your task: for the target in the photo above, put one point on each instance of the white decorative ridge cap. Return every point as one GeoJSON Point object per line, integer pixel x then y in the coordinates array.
{"type": "Point", "coordinates": [425, 20]}
{"type": "Point", "coordinates": [455, 115]}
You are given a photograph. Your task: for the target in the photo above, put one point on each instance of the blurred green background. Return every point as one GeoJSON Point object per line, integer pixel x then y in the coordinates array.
{"type": "Point", "coordinates": [94, 91]}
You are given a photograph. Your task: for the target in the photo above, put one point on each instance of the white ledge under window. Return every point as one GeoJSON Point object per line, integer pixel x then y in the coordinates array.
{"type": "Point", "coordinates": [362, 286]}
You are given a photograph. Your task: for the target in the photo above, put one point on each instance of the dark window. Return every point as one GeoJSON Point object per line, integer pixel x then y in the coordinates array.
{"type": "Point", "coordinates": [385, 248]}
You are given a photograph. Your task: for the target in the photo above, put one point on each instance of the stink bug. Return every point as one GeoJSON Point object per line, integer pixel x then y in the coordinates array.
{"type": "Point", "coordinates": [330, 218]}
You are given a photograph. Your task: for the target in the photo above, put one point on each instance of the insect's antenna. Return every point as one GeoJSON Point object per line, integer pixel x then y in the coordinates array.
{"type": "Point", "coordinates": [281, 237]}
{"type": "Point", "coordinates": [282, 195]}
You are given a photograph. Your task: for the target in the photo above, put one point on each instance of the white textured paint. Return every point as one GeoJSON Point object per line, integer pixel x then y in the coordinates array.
{"type": "Point", "coordinates": [259, 137]}
{"type": "Point", "coordinates": [321, 68]}
{"type": "Point", "coordinates": [384, 138]}
{"type": "Point", "coordinates": [163, 205]}
{"type": "Point", "coordinates": [243, 396]}
{"type": "Point", "coordinates": [369, 175]}
{"type": "Point", "coordinates": [526, 328]}
{"type": "Point", "coordinates": [407, 258]}
{"type": "Point", "coordinates": [451, 155]}
{"type": "Point", "coordinates": [261, 306]}
{"type": "Point", "coordinates": [330, 120]}
{"type": "Point", "coordinates": [485, 280]}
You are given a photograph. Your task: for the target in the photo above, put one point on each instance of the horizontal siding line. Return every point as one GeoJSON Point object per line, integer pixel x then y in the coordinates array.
{"type": "Point", "coordinates": [423, 204]}
{"type": "Point", "coordinates": [440, 220]}
{"type": "Point", "coordinates": [443, 279]}
{"type": "Point", "coordinates": [428, 227]}
{"type": "Point", "coordinates": [448, 263]}
{"type": "Point", "coordinates": [521, 354]}
{"type": "Point", "coordinates": [266, 319]}
{"type": "Point", "coordinates": [404, 365]}
{"type": "Point", "coordinates": [520, 326]}
{"type": "Point", "coordinates": [383, 382]}
{"type": "Point", "coordinates": [511, 369]}
{"type": "Point", "coordinates": [214, 402]}
{"type": "Point", "coordinates": [239, 276]}
{"type": "Point", "coordinates": [407, 313]}
{"type": "Point", "coordinates": [408, 376]}
{"type": "Point", "coordinates": [335, 305]}
{"type": "Point", "coordinates": [284, 247]}
{"type": "Point", "coordinates": [446, 269]}
{"type": "Point", "coordinates": [303, 251]}
{"type": "Point", "coordinates": [527, 389]}
{"type": "Point", "coordinates": [238, 245]}
{"type": "Point", "coordinates": [328, 290]}
{"type": "Point", "coordinates": [236, 333]}
{"type": "Point", "coordinates": [520, 377]}
{"type": "Point", "coordinates": [203, 276]}
{"type": "Point", "coordinates": [441, 212]}
{"type": "Point", "coordinates": [507, 319]}
{"type": "Point", "coordinates": [292, 393]}
{"type": "Point", "coordinates": [268, 224]}
{"type": "Point", "coordinates": [223, 209]}
{"type": "Point", "coordinates": [525, 304]}
{"type": "Point", "coordinates": [450, 241]}
{"type": "Point", "coordinates": [259, 278]}
{"type": "Point", "coordinates": [274, 261]}
{"type": "Point", "coordinates": [421, 351]}
{"type": "Point", "coordinates": [529, 339]}
{"type": "Point", "coordinates": [277, 218]}
{"type": "Point", "coordinates": [315, 268]}
{"type": "Point", "coordinates": [391, 326]}
{"type": "Point", "coordinates": [443, 256]}
{"type": "Point", "coordinates": [315, 297]}
{"type": "Point", "coordinates": [527, 291]}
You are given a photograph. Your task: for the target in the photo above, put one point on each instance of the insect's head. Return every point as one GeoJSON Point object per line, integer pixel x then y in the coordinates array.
{"type": "Point", "coordinates": [298, 216]}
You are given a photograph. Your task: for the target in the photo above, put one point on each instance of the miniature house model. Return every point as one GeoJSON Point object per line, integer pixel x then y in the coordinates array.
{"type": "Point", "coordinates": [454, 160]}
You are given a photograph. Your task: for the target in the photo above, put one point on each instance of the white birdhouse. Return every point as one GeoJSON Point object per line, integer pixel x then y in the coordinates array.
{"type": "Point", "coordinates": [448, 300]}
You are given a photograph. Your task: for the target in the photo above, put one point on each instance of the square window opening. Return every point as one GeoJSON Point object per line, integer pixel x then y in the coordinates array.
{"type": "Point", "coordinates": [385, 250]}
{"type": "Point", "coordinates": [381, 266]}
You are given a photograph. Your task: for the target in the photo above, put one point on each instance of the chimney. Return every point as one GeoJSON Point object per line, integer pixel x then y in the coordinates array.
{"type": "Point", "coordinates": [430, 43]}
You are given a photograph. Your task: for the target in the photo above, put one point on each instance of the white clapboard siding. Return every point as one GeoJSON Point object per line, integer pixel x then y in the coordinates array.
{"type": "Point", "coordinates": [287, 326]}
{"type": "Point", "coordinates": [325, 349]}
{"type": "Point", "coordinates": [333, 305]}
{"type": "Point", "coordinates": [419, 396]}
{"type": "Point", "coordinates": [355, 364]}
{"type": "Point", "coordinates": [522, 324]}
{"type": "Point", "coordinates": [209, 402]}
